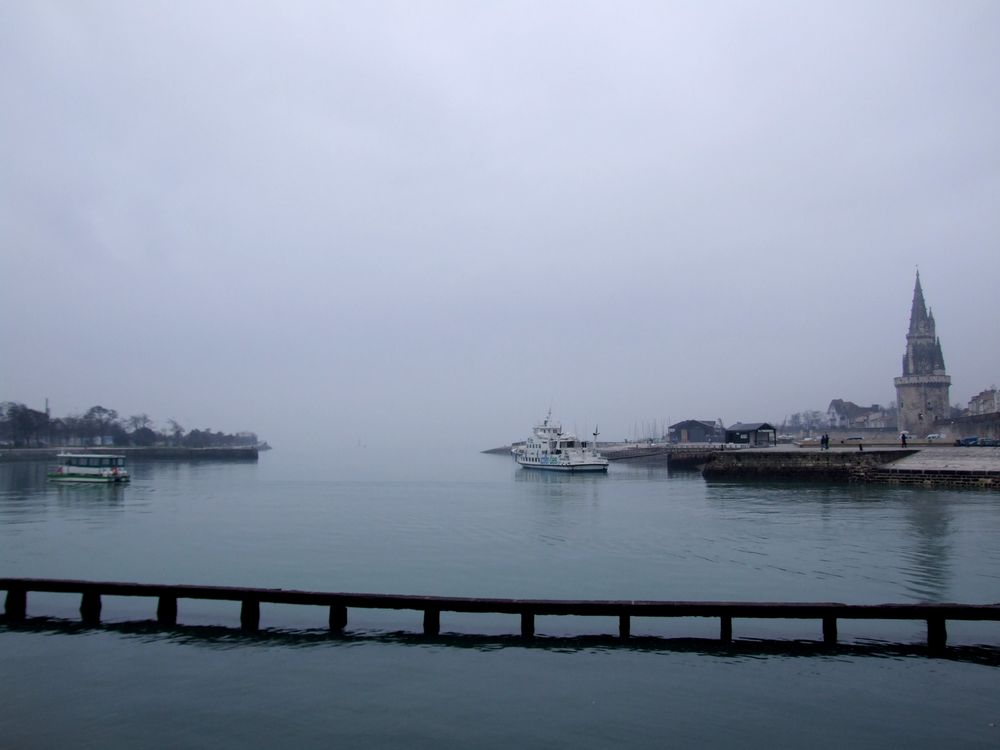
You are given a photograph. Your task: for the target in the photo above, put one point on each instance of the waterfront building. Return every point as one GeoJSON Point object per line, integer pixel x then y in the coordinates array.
{"type": "Point", "coordinates": [843, 414]}
{"type": "Point", "coordinates": [696, 431]}
{"type": "Point", "coordinates": [922, 389]}
{"type": "Point", "coordinates": [753, 434]}
{"type": "Point", "coordinates": [986, 402]}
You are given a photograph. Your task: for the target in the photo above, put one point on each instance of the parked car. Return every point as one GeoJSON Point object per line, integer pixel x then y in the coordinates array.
{"type": "Point", "coordinates": [935, 436]}
{"type": "Point", "coordinates": [990, 442]}
{"type": "Point", "coordinates": [966, 441]}
{"type": "Point", "coordinates": [855, 437]}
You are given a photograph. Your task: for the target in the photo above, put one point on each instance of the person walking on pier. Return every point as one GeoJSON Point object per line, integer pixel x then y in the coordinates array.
{"type": "Point", "coordinates": [902, 438]}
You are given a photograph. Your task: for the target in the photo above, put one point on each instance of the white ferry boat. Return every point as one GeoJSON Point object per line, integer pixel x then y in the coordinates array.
{"type": "Point", "coordinates": [90, 467]}
{"type": "Point", "coordinates": [554, 450]}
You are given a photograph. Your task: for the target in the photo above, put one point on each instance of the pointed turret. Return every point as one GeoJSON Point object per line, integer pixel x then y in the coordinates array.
{"type": "Point", "coordinates": [939, 358]}
{"type": "Point", "coordinates": [918, 310]}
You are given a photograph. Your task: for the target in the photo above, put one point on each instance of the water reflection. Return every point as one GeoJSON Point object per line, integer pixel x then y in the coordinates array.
{"type": "Point", "coordinates": [23, 476]}
{"type": "Point", "coordinates": [540, 476]}
{"type": "Point", "coordinates": [563, 486]}
{"type": "Point", "coordinates": [926, 564]}
{"type": "Point", "coordinates": [106, 494]}
{"type": "Point", "coordinates": [216, 637]}
{"type": "Point", "coordinates": [846, 530]}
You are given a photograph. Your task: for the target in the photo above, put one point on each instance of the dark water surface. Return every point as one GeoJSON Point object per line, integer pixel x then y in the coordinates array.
{"type": "Point", "coordinates": [486, 528]}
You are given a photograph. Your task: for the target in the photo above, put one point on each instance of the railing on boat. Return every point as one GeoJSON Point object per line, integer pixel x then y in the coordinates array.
{"type": "Point", "coordinates": [936, 615]}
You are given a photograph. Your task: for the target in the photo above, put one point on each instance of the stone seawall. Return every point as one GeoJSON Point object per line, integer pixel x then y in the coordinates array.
{"type": "Point", "coordinates": [772, 464]}
{"type": "Point", "coordinates": [970, 468]}
{"type": "Point", "coordinates": [163, 453]}
{"type": "Point", "coordinates": [981, 480]}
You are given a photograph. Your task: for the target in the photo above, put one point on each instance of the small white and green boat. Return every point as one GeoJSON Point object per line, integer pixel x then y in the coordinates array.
{"type": "Point", "coordinates": [90, 467]}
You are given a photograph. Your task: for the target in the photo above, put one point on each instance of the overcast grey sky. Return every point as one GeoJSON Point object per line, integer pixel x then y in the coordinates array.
{"type": "Point", "coordinates": [385, 220]}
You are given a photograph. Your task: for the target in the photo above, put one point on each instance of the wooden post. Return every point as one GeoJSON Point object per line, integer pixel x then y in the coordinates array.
{"type": "Point", "coordinates": [726, 629]}
{"type": "Point", "coordinates": [624, 627]}
{"type": "Point", "coordinates": [338, 617]}
{"type": "Point", "coordinates": [16, 605]}
{"type": "Point", "coordinates": [830, 631]}
{"type": "Point", "coordinates": [250, 615]}
{"type": "Point", "coordinates": [527, 625]}
{"type": "Point", "coordinates": [90, 607]}
{"type": "Point", "coordinates": [432, 622]}
{"type": "Point", "coordinates": [166, 611]}
{"type": "Point", "coordinates": [937, 633]}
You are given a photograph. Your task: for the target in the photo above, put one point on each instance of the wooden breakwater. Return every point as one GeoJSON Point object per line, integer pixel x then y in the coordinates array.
{"type": "Point", "coordinates": [167, 596]}
{"type": "Point", "coordinates": [160, 453]}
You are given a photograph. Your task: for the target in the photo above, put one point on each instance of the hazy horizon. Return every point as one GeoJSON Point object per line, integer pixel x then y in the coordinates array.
{"type": "Point", "coordinates": [393, 222]}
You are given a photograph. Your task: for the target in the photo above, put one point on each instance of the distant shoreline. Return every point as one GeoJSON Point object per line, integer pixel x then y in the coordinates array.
{"type": "Point", "coordinates": [158, 453]}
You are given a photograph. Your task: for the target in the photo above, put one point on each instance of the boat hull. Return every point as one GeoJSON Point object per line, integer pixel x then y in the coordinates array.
{"type": "Point", "coordinates": [566, 468]}
{"type": "Point", "coordinates": [87, 479]}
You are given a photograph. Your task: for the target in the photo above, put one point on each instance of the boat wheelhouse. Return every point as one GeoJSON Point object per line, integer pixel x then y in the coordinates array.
{"type": "Point", "coordinates": [90, 467]}
{"type": "Point", "coordinates": [554, 450]}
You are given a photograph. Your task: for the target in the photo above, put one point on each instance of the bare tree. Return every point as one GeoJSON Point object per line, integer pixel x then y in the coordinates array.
{"type": "Point", "coordinates": [176, 430]}
{"type": "Point", "coordinates": [99, 420]}
{"type": "Point", "coordinates": [138, 421]}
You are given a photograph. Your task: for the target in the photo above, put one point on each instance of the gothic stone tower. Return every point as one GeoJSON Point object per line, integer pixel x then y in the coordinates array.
{"type": "Point", "coordinates": [922, 391]}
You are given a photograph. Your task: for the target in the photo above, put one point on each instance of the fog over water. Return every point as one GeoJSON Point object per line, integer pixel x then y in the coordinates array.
{"type": "Point", "coordinates": [374, 225]}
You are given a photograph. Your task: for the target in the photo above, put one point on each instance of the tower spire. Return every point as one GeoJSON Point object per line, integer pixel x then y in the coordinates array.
{"type": "Point", "coordinates": [918, 310]}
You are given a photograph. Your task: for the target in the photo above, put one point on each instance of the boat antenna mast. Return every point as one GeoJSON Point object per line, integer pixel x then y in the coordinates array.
{"type": "Point", "coordinates": [596, 433]}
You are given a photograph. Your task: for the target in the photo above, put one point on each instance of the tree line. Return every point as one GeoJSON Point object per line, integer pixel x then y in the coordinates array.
{"type": "Point", "coordinates": [24, 427]}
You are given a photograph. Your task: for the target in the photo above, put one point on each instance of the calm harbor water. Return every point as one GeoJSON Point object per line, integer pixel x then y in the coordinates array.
{"type": "Point", "coordinates": [487, 528]}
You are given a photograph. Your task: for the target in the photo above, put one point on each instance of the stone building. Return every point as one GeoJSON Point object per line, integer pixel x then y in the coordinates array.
{"type": "Point", "coordinates": [922, 390]}
{"type": "Point", "coordinates": [987, 402]}
{"type": "Point", "coordinates": [847, 414]}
